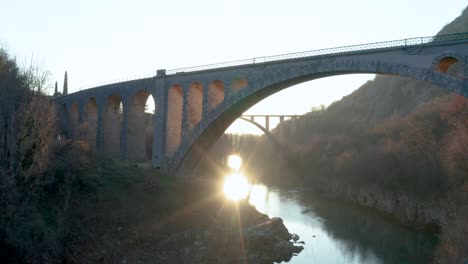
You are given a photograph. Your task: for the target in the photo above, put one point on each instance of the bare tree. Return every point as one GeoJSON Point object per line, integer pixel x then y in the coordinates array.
{"type": "Point", "coordinates": [37, 79]}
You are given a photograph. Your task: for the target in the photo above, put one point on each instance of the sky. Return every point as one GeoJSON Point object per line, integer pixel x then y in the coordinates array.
{"type": "Point", "coordinates": [109, 41]}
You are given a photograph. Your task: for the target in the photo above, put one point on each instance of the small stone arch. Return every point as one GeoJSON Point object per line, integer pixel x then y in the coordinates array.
{"type": "Point", "coordinates": [112, 125]}
{"type": "Point", "coordinates": [215, 94]}
{"type": "Point", "coordinates": [238, 84]}
{"type": "Point", "coordinates": [174, 118]}
{"type": "Point", "coordinates": [195, 104]}
{"type": "Point", "coordinates": [450, 64]}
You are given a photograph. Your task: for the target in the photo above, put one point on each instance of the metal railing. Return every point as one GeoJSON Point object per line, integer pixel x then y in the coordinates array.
{"type": "Point", "coordinates": [402, 43]}
{"type": "Point", "coordinates": [124, 79]}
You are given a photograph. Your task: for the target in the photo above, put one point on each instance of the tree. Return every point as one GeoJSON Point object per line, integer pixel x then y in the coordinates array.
{"type": "Point", "coordinates": [65, 84]}
{"type": "Point", "coordinates": [36, 78]}
{"type": "Point", "coordinates": [27, 130]}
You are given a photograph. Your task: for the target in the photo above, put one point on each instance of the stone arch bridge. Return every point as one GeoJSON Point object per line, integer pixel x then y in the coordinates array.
{"type": "Point", "coordinates": [194, 106]}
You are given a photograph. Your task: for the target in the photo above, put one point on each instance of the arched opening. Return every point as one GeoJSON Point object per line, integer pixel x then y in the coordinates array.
{"type": "Point", "coordinates": [138, 127]}
{"type": "Point", "coordinates": [195, 104]}
{"type": "Point", "coordinates": [89, 126]}
{"type": "Point", "coordinates": [150, 111]}
{"type": "Point", "coordinates": [111, 126]}
{"type": "Point", "coordinates": [282, 105]}
{"type": "Point", "coordinates": [450, 66]}
{"type": "Point", "coordinates": [174, 119]}
{"type": "Point", "coordinates": [73, 121]}
{"type": "Point", "coordinates": [63, 121]}
{"type": "Point", "coordinates": [215, 94]}
{"type": "Point", "coordinates": [238, 84]}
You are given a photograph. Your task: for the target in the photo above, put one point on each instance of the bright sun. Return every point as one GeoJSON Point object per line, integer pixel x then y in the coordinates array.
{"type": "Point", "coordinates": [234, 162]}
{"type": "Point", "coordinates": [236, 187]}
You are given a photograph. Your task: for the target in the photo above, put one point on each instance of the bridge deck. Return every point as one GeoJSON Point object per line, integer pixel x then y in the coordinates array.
{"type": "Point", "coordinates": [410, 44]}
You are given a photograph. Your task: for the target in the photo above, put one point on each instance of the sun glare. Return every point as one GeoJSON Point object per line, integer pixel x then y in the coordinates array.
{"type": "Point", "coordinates": [235, 187]}
{"type": "Point", "coordinates": [234, 162]}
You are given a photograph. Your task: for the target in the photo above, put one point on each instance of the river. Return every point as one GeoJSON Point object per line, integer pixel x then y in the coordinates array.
{"type": "Point", "coordinates": [338, 233]}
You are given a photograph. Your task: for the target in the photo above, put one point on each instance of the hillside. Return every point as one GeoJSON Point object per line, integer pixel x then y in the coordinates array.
{"type": "Point", "coordinates": [388, 95]}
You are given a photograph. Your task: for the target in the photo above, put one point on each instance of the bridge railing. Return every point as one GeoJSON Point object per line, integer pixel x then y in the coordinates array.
{"type": "Point", "coordinates": [123, 79]}
{"type": "Point", "coordinates": [402, 43]}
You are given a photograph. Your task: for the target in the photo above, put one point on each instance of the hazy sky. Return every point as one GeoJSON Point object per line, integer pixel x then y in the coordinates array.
{"type": "Point", "coordinates": [102, 41]}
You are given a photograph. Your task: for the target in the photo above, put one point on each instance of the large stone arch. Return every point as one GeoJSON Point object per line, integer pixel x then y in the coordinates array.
{"type": "Point", "coordinates": [112, 126]}
{"type": "Point", "coordinates": [276, 79]}
{"type": "Point", "coordinates": [88, 129]}
{"type": "Point", "coordinates": [450, 63]}
{"type": "Point", "coordinates": [137, 127]}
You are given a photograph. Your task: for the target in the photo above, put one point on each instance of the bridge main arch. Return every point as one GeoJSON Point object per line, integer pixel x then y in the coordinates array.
{"type": "Point", "coordinates": [266, 80]}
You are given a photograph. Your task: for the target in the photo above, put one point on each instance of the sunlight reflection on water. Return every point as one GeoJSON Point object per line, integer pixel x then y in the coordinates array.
{"type": "Point", "coordinates": [332, 233]}
{"type": "Point", "coordinates": [340, 234]}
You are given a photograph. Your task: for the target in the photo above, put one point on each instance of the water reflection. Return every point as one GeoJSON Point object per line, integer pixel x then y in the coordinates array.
{"type": "Point", "coordinates": [335, 233]}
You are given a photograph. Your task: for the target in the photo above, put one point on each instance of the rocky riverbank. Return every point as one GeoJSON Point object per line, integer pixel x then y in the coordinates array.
{"type": "Point", "coordinates": [237, 234]}
{"type": "Point", "coordinates": [406, 210]}
{"type": "Point", "coordinates": [134, 215]}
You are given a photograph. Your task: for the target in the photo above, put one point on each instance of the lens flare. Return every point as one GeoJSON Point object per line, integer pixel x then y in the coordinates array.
{"type": "Point", "coordinates": [234, 162]}
{"type": "Point", "coordinates": [236, 187]}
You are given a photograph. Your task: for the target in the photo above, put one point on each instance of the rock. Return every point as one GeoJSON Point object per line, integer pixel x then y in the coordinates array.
{"type": "Point", "coordinates": [273, 227]}
{"type": "Point", "coordinates": [284, 250]}
{"type": "Point", "coordinates": [295, 237]}
{"type": "Point", "coordinates": [270, 241]}
{"type": "Point", "coordinates": [265, 240]}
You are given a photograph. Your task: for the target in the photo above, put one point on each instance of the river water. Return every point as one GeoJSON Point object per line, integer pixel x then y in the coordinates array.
{"type": "Point", "coordinates": [338, 233]}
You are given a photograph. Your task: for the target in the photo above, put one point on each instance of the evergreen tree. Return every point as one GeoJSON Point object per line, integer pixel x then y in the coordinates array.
{"type": "Point", "coordinates": [65, 84]}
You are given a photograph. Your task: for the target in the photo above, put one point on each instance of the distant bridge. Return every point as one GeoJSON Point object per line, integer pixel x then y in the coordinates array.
{"type": "Point", "coordinates": [195, 105]}
{"type": "Point", "coordinates": [266, 129]}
